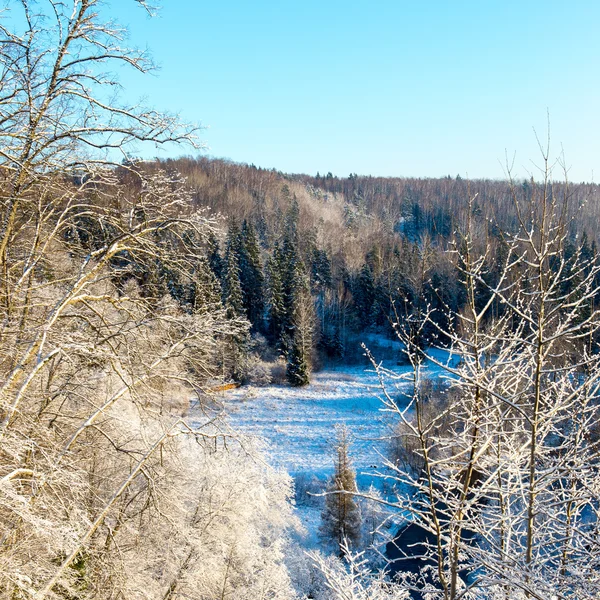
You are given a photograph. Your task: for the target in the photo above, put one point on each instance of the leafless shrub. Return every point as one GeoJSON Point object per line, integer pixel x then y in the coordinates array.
{"type": "Point", "coordinates": [256, 371]}
{"type": "Point", "coordinates": [278, 372]}
{"type": "Point", "coordinates": [503, 493]}
{"type": "Point", "coordinates": [308, 490]}
{"type": "Point", "coordinates": [404, 448]}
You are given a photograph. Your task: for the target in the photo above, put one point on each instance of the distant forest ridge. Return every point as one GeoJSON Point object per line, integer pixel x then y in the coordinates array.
{"type": "Point", "coordinates": [374, 250]}
{"type": "Point", "coordinates": [411, 206]}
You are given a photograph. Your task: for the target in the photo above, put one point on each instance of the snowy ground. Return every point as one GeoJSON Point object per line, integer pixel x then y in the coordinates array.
{"type": "Point", "coordinates": [299, 425]}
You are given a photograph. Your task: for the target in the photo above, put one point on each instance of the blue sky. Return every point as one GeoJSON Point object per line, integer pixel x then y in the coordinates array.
{"type": "Point", "coordinates": [383, 87]}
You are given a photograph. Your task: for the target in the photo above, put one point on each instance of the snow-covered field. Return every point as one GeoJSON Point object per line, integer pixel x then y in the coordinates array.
{"type": "Point", "coordinates": [299, 424]}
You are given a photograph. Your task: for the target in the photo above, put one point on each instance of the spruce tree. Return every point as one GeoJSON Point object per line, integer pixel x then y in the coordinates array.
{"type": "Point", "coordinates": [291, 279]}
{"type": "Point", "coordinates": [276, 312]}
{"type": "Point", "coordinates": [320, 269]}
{"type": "Point", "coordinates": [251, 276]}
{"type": "Point", "coordinates": [286, 277]}
{"type": "Point", "coordinates": [206, 288]}
{"type": "Point", "coordinates": [232, 287]}
{"type": "Point", "coordinates": [213, 255]}
{"type": "Point", "coordinates": [341, 519]}
{"type": "Point", "coordinates": [291, 310]}
{"type": "Point", "coordinates": [364, 294]}
{"type": "Point", "coordinates": [236, 345]}
{"type": "Point", "coordinates": [298, 366]}
{"type": "Point", "coordinates": [292, 273]}
{"type": "Point", "coordinates": [299, 335]}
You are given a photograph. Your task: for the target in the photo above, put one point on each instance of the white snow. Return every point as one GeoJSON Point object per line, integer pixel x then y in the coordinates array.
{"type": "Point", "coordinates": [298, 425]}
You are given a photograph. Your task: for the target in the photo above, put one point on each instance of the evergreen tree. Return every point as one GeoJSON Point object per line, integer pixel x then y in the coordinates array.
{"type": "Point", "coordinates": [298, 322]}
{"type": "Point", "coordinates": [364, 295]}
{"type": "Point", "coordinates": [291, 220]}
{"type": "Point", "coordinates": [232, 287]}
{"type": "Point", "coordinates": [251, 276]}
{"type": "Point", "coordinates": [298, 366]}
{"type": "Point", "coordinates": [320, 269]}
{"type": "Point", "coordinates": [206, 288]}
{"type": "Point", "coordinates": [276, 302]}
{"type": "Point", "coordinates": [236, 345]}
{"type": "Point", "coordinates": [292, 271]}
{"type": "Point", "coordinates": [287, 278]}
{"type": "Point", "coordinates": [292, 275]}
{"type": "Point", "coordinates": [213, 256]}
{"type": "Point", "coordinates": [299, 343]}
{"type": "Point", "coordinates": [320, 281]}
{"type": "Point", "coordinates": [341, 519]}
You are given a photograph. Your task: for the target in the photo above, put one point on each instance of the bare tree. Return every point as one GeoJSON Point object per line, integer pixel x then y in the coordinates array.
{"type": "Point", "coordinates": [110, 326]}
{"type": "Point", "coordinates": [505, 479]}
{"type": "Point", "coordinates": [59, 109]}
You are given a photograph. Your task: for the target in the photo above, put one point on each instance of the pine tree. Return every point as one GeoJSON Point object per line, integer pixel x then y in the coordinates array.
{"type": "Point", "coordinates": [341, 519]}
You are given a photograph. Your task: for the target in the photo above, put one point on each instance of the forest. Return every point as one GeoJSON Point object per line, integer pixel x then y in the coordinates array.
{"type": "Point", "coordinates": [368, 251]}
{"type": "Point", "coordinates": [132, 292]}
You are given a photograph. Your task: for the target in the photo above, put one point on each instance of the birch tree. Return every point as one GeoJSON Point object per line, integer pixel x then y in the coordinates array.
{"type": "Point", "coordinates": [110, 325]}
{"type": "Point", "coordinates": [505, 476]}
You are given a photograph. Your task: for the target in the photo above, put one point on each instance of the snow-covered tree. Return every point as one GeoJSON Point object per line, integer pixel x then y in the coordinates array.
{"type": "Point", "coordinates": [506, 485]}
{"type": "Point", "coordinates": [207, 290]}
{"type": "Point", "coordinates": [341, 519]}
{"type": "Point", "coordinates": [109, 324]}
{"type": "Point", "coordinates": [353, 579]}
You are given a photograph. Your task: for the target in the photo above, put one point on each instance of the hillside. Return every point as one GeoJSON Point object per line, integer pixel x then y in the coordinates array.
{"type": "Point", "coordinates": [374, 250]}
{"type": "Point", "coordinates": [183, 346]}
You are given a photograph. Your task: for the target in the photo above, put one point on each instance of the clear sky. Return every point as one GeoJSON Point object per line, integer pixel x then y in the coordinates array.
{"type": "Point", "coordinates": [382, 87]}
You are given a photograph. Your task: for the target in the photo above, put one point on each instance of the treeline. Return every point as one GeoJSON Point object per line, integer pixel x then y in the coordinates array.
{"type": "Point", "coordinates": [314, 263]}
